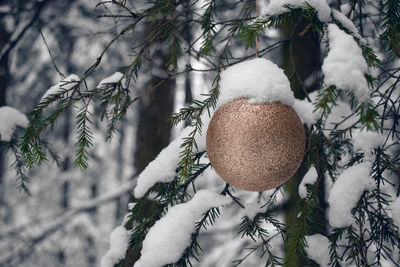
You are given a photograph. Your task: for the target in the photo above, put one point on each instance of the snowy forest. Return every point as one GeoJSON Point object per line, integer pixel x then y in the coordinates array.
{"type": "Point", "coordinates": [200, 133]}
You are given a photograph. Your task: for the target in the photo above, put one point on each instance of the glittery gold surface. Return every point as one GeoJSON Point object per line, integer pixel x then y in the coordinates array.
{"type": "Point", "coordinates": [255, 146]}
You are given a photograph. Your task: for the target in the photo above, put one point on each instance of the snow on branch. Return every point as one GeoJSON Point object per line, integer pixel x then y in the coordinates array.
{"type": "Point", "coordinates": [259, 79]}
{"type": "Point", "coordinates": [119, 241]}
{"type": "Point", "coordinates": [278, 7]}
{"type": "Point", "coordinates": [62, 86]}
{"type": "Point", "coordinates": [317, 249]}
{"type": "Point", "coordinates": [116, 77]}
{"type": "Point", "coordinates": [163, 167]}
{"type": "Point", "coordinates": [305, 110]}
{"type": "Point", "coordinates": [346, 192]}
{"type": "Point", "coordinates": [309, 178]}
{"type": "Point", "coordinates": [170, 236]}
{"type": "Point", "coordinates": [10, 118]}
{"type": "Point", "coordinates": [366, 141]}
{"type": "Point", "coordinates": [345, 66]}
{"type": "Point", "coordinates": [346, 23]}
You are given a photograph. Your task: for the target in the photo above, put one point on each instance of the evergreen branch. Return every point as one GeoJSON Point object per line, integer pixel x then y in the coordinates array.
{"type": "Point", "coordinates": [84, 139]}
{"type": "Point", "coordinates": [254, 230]}
{"type": "Point", "coordinates": [175, 52]}
{"type": "Point", "coordinates": [208, 28]}
{"type": "Point", "coordinates": [197, 108]}
{"type": "Point", "coordinates": [189, 143]}
{"type": "Point", "coordinates": [326, 99]}
{"type": "Point", "coordinates": [32, 147]}
{"type": "Point", "coordinates": [391, 26]}
{"type": "Point", "coordinates": [335, 259]}
{"type": "Point", "coordinates": [305, 221]}
{"type": "Point", "coordinates": [193, 250]}
{"type": "Point", "coordinates": [18, 164]}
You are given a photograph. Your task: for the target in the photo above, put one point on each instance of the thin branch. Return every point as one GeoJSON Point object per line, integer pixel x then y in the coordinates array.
{"type": "Point", "coordinates": [51, 56]}
{"type": "Point", "coordinates": [8, 47]}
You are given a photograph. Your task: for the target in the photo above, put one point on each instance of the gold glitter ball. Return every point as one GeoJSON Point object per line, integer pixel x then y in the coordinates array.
{"type": "Point", "coordinates": [255, 147]}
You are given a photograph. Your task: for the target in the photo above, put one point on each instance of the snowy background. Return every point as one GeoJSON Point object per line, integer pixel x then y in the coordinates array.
{"type": "Point", "coordinates": [75, 217]}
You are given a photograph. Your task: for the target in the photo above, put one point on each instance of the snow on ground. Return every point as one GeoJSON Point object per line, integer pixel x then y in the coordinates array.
{"type": "Point", "coordinates": [170, 236]}
{"type": "Point", "coordinates": [317, 249]}
{"type": "Point", "coordinates": [344, 66]}
{"type": "Point", "coordinates": [62, 86]}
{"type": "Point", "coordinates": [116, 77]}
{"type": "Point", "coordinates": [119, 240]}
{"type": "Point", "coordinates": [10, 118]}
{"type": "Point", "coordinates": [277, 7]}
{"type": "Point", "coordinates": [346, 192]}
{"type": "Point", "coordinates": [258, 79]}
{"type": "Point", "coordinates": [309, 178]}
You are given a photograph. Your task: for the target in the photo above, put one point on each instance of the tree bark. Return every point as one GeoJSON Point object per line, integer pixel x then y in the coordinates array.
{"type": "Point", "coordinates": [301, 61]}
{"type": "Point", "coordinates": [154, 129]}
{"type": "Point", "coordinates": [4, 78]}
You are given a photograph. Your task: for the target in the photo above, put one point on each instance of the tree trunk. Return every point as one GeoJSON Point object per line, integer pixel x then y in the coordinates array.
{"type": "Point", "coordinates": [153, 130]}
{"type": "Point", "coordinates": [4, 78]}
{"type": "Point", "coordinates": [301, 63]}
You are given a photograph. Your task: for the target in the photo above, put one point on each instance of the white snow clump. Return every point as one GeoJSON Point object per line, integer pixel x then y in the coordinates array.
{"type": "Point", "coordinates": [366, 141]}
{"type": "Point", "coordinates": [252, 209]}
{"type": "Point", "coordinates": [306, 113]}
{"type": "Point", "coordinates": [345, 8]}
{"type": "Point", "coordinates": [169, 237]}
{"type": "Point", "coordinates": [163, 167]}
{"type": "Point", "coordinates": [317, 249]}
{"type": "Point", "coordinates": [344, 66]}
{"type": "Point", "coordinates": [258, 79]}
{"type": "Point", "coordinates": [10, 118]}
{"type": "Point", "coordinates": [119, 240]}
{"type": "Point", "coordinates": [66, 84]}
{"type": "Point", "coordinates": [277, 7]}
{"type": "Point", "coordinates": [309, 178]}
{"type": "Point", "coordinates": [116, 77]}
{"type": "Point", "coordinates": [347, 23]}
{"type": "Point", "coordinates": [346, 192]}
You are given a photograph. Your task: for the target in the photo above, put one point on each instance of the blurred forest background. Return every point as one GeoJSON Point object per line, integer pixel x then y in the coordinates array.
{"type": "Point", "coordinates": [68, 216]}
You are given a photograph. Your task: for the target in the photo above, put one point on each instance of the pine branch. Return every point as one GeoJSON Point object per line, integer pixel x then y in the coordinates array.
{"type": "Point", "coordinates": [18, 164]}
{"type": "Point", "coordinates": [84, 139]}
{"type": "Point", "coordinates": [194, 249]}
{"type": "Point", "coordinates": [208, 28]}
{"type": "Point", "coordinates": [254, 230]}
{"type": "Point", "coordinates": [194, 112]}
{"type": "Point", "coordinates": [305, 221]}
{"type": "Point", "coordinates": [391, 26]}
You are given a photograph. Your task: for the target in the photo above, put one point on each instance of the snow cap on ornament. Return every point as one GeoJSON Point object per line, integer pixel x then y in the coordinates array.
{"type": "Point", "coordinates": [255, 140]}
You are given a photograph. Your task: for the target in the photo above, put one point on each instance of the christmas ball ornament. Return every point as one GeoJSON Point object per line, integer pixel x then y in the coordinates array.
{"type": "Point", "coordinates": [255, 140]}
{"type": "Point", "coordinates": [255, 146]}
